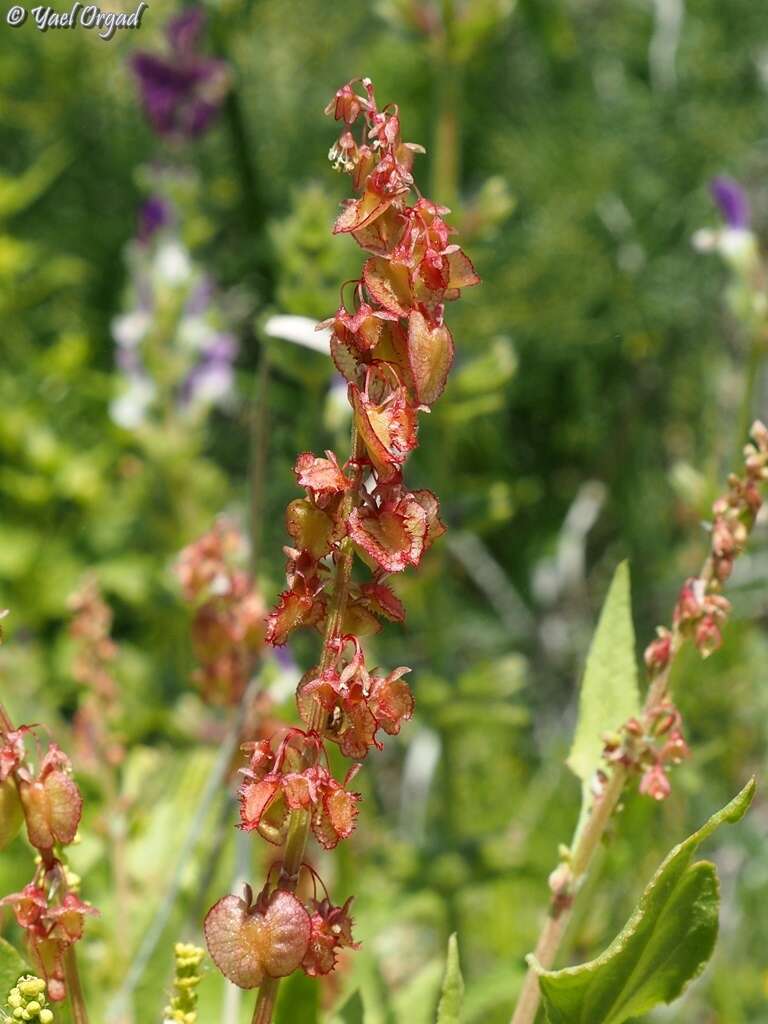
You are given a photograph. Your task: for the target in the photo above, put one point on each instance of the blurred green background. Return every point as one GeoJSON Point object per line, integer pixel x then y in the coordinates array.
{"type": "Point", "coordinates": [596, 404]}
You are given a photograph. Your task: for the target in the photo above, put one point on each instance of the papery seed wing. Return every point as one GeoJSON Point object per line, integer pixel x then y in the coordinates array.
{"type": "Point", "coordinates": [232, 942]}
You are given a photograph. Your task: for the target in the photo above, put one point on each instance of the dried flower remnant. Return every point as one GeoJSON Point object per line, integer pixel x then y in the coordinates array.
{"type": "Point", "coordinates": [228, 613]}
{"type": "Point", "coordinates": [183, 90]}
{"type": "Point", "coordinates": [48, 909]}
{"type": "Point", "coordinates": [394, 350]}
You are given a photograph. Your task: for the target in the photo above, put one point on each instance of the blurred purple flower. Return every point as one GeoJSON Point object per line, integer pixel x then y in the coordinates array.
{"type": "Point", "coordinates": [201, 298]}
{"type": "Point", "coordinates": [213, 377]}
{"type": "Point", "coordinates": [154, 214]}
{"type": "Point", "coordinates": [732, 202]}
{"type": "Point", "coordinates": [181, 92]}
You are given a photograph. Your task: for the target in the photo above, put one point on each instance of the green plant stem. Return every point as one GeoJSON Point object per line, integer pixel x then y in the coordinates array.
{"type": "Point", "coordinates": [751, 377]}
{"type": "Point", "coordinates": [446, 144]}
{"type": "Point", "coordinates": [265, 1006]}
{"type": "Point", "coordinates": [299, 821]}
{"type": "Point", "coordinates": [585, 844]}
{"type": "Point", "coordinates": [259, 445]}
{"type": "Point", "coordinates": [74, 989]}
{"type": "Point", "coordinates": [560, 909]}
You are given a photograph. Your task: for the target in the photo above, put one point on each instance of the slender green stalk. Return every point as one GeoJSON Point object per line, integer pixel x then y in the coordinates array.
{"type": "Point", "coordinates": [447, 84]}
{"type": "Point", "coordinates": [74, 989]}
{"type": "Point", "coordinates": [751, 378]}
{"type": "Point", "coordinates": [259, 445]}
{"type": "Point", "coordinates": [560, 909]}
{"type": "Point", "coordinates": [265, 1007]}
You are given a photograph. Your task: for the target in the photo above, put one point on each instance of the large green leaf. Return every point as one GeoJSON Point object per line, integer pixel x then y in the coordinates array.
{"type": "Point", "coordinates": [11, 968]}
{"type": "Point", "coordinates": [452, 994]}
{"type": "Point", "coordinates": [664, 945]}
{"type": "Point", "coordinates": [609, 693]}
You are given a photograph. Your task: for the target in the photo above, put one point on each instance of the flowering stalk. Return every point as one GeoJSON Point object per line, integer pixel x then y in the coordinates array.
{"type": "Point", "coordinates": [182, 1008]}
{"type": "Point", "coordinates": [48, 908]}
{"type": "Point", "coordinates": [394, 350]}
{"type": "Point", "coordinates": [650, 744]}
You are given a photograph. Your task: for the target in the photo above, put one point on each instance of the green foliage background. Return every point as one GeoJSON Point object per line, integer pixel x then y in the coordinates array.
{"type": "Point", "coordinates": [595, 365]}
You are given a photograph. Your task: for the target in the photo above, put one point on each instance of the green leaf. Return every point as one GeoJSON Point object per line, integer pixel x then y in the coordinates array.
{"type": "Point", "coordinates": [664, 945]}
{"type": "Point", "coordinates": [609, 693]}
{"type": "Point", "coordinates": [297, 1000]}
{"type": "Point", "coordinates": [452, 994]}
{"type": "Point", "coordinates": [11, 968]}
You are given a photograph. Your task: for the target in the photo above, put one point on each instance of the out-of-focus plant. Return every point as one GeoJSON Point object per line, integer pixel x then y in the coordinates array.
{"type": "Point", "coordinates": [228, 613]}
{"type": "Point", "coordinates": [747, 292]}
{"type": "Point", "coordinates": [174, 351]}
{"type": "Point", "coordinates": [395, 351]}
{"type": "Point", "coordinates": [648, 743]}
{"type": "Point", "coordinates": [182, 90]}
{"type": "Point", "coordinates": [98, 745]}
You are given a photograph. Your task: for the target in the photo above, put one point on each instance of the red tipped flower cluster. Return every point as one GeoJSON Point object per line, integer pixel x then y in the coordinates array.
{"type": "Point", "coordinates": [699, 614]}
{"type": "Point", "coordinates": [276, 784]}
{"type": "Point", "coordinates": [701, 609]}
{"type": "Point", "coordinates": [228, 613]}
{"type": "Point", "coordinates": [394, 349]}
{"type": "Point", "coordinates": [649, 747]}
{"type": "Point", "coordinates": [49, 802]}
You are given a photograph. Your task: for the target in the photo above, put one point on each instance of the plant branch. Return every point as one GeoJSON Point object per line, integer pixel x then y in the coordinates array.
{"type": "Point", "coordinates": [586, 842]}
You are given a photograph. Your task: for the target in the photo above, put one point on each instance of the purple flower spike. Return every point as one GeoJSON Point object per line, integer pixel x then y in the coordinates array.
{"type": "Point", "coordinates": [154, 214]}
{"type": "Point", "coordinates": [212, 379]}
{"type": "Point", "coordinates": [732, 202]}
{"type": "Point", "coordinates": [183, 91]}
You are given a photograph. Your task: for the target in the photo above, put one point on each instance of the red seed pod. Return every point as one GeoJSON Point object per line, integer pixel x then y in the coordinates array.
{"type": "Point", "coordinates": [658, 651]}
{"type": "Point", "coordinates": [11, 812]}
{"type": "Point", "coordinates": [248, 943]}
{"type": "Point", "coordinates": [52, 802]}
{"type": "Point", "coordinates": [708, 636]}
